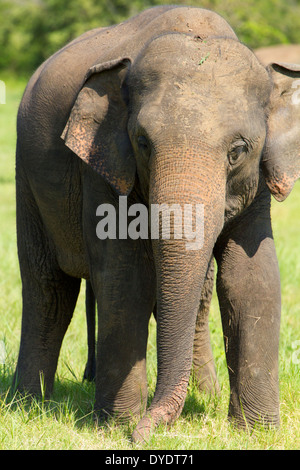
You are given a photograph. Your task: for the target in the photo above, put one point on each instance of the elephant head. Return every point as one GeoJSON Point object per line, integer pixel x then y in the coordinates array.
{"type": "Point", "coordinates": [186, 120]}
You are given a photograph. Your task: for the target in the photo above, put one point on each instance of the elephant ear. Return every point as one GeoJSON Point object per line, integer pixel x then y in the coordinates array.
{"type": "Point", "coordinates": [97, 127]}
{"type": "Point", "coordinates": [281, 157]}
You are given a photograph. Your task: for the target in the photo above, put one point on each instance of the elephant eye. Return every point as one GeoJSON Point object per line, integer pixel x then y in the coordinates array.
{"type": "Point", "coordinates": [238, 150]}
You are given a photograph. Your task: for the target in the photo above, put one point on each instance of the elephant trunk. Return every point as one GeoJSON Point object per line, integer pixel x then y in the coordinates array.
{"type": "Point", "coordinates": [184, 183]}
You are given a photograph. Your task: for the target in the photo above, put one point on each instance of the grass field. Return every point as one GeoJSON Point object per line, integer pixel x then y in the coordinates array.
{"type": "Point", "coordinates": [65, 421]}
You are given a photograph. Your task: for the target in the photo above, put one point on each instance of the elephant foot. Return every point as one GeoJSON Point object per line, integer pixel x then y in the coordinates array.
{"type": "Point", "coordinates": [244, 414]}
{"type": "Point", "coordinates": [247, 421]}
{"type": "Point", "coordinates": [120, 410]}
{"type": "Point", "coordinates": [102, 416]}
{"type": "Point", "coordinates": [29, 384]}
{"type": "Point", "coordinates": [206, 379]}
{"type": "Point", "coordinates": [90, 371]}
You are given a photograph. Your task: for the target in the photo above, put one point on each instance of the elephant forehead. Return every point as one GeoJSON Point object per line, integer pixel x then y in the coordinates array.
{"type": "Point", "coordinates": [190, 62]}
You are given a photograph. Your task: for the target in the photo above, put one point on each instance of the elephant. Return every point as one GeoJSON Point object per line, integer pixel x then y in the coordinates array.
{"type": "Point", "coordinates": [167, 110]}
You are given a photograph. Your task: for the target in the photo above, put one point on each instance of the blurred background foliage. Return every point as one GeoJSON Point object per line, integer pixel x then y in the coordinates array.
{"type": "Point", "coordinates": [32, 30]}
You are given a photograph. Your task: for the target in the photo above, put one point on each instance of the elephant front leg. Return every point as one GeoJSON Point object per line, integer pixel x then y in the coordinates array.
{"type": "Point", "coordinates": [203, 361]}
{"type": "Point", "coordinates": [248, 287]}
{"type": "Point", "coordinates": [125, 291]}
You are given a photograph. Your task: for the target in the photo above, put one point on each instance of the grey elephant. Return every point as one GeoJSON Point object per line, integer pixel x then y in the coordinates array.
{"type": "Point", "coordinates": [166, 109]}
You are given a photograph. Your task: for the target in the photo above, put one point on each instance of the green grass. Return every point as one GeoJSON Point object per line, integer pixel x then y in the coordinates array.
{"type": "Point", "coordinates": [65, 421]}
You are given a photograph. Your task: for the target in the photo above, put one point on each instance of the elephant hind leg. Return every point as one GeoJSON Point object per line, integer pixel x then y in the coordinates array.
{"type": "Point", "coordinates": [203, 361]}
{"type": "Point", "coordinates": [49, 299]}
{"type": "Point", "coordinates": [90, 307]}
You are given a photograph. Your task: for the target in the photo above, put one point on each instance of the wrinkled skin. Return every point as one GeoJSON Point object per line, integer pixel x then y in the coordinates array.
{"type": "Point", "coordinates": [204, 371]}
{"type": "Point", "coordinates": [167, 108]}
{"type": "Point", "coordinates": [203, 363]}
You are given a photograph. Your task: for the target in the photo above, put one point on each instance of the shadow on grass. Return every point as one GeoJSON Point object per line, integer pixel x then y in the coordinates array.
{"type": "Point", "coordinates": [71, 404]}
{"type": "Point", "coordinates": [70, 401]}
